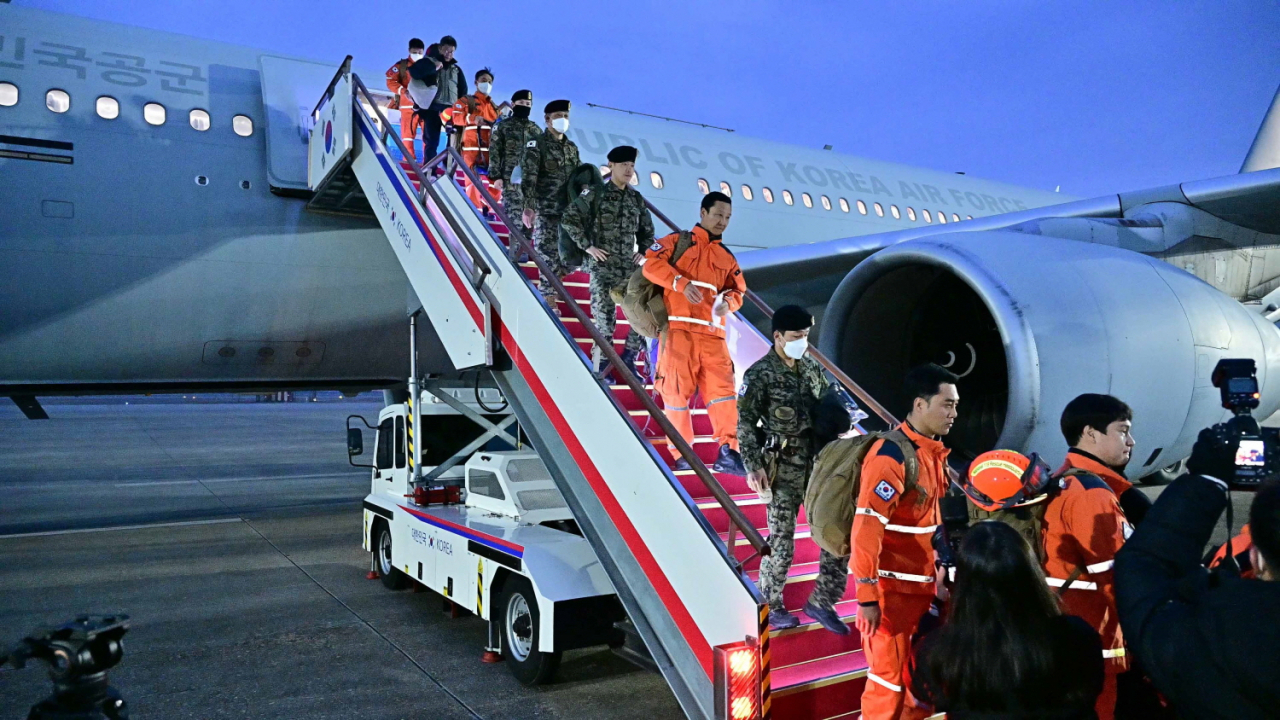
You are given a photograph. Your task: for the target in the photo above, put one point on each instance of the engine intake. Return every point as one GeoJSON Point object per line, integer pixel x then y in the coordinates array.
{"type": "Point", "coordinates": [1030, 322]}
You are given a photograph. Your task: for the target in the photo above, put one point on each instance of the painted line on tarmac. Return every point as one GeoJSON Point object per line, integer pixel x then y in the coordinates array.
{"type": "Point", "coordinates": [46, 533]}
{"type": "Point", "coordinates": [149, 483]}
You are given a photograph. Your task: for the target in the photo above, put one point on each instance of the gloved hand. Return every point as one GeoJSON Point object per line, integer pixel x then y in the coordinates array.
{"type": "Point", "coordinates": [1214, 453]}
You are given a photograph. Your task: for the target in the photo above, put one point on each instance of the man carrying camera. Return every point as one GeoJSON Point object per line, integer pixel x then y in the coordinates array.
{"type": "Point", "coordinates": [1208, 640]}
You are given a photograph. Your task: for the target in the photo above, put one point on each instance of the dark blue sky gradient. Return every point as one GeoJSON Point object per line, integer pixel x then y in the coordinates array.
{"type": "Point", "coordinates": [1096, 97]}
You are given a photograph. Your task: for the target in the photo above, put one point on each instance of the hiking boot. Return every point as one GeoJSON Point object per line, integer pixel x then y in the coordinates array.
{"type": "Point", "coordinates": [682, 464]}
{"type": "Point", "coordinates": [729, 462]}
{"type": "Point", "coordinates": [629, 360]}
{"type": "Point", "coordinates": [826, 617]}
{"type": "Point", "coordinates": [780, 619]}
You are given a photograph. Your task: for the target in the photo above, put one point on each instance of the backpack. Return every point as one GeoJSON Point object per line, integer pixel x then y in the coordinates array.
{"type": "Point", "coordinates": [642, 302]}
{"type": "Point", "coordinates": [585, 175]}
{"type": "Point", "coordinates": [832, 495]}
{"type": "Point", "coordinates": [1028, 520]}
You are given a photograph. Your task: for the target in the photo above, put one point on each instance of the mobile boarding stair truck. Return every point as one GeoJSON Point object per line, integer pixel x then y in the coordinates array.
{"type": "Point", "coordinates": [680, 549]}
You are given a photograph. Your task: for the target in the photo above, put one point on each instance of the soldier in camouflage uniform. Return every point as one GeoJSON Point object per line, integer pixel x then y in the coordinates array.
{"type": "Point", "coordinates": [506, 145]}
{"type": "Point", "coordinates": [779, 395]}
{"type": "Point", "coordinates": [608, 229]}
{"type": "Point", "coordinates": [544, 167]}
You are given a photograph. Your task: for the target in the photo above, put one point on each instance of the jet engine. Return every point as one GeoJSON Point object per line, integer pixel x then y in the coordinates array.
{"type": "Point", "coordinates": [1030, 322]}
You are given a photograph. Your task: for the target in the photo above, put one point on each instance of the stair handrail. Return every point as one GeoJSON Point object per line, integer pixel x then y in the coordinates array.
{"type": "Point", "coordinates": [480, 265]}
{"type": "Point", "coordinates": [822, 359]}
{"type": "Point", "coordinates": [520, 242]}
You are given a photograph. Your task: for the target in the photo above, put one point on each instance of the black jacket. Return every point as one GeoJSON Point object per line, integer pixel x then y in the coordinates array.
{"type": "Point", "coordinates": [1070, 692]}
{"type": "Point", "coordinates": [1210, 642]}
{"type": "Point", "coordinates": [425, 70]}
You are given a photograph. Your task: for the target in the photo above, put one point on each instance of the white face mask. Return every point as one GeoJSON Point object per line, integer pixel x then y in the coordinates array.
{"type": "Point", "coordinates": [415, 56]}
{"type": "Point", "coordinates": [485, 87]}
{"type": "Point", "coordinates": [794, 349]}
{"type": "Point", "coordinates": [561, 125]}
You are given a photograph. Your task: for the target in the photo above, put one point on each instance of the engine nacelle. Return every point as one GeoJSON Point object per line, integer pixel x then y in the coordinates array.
{"type": "Point", "coordinates": [1031, 322]}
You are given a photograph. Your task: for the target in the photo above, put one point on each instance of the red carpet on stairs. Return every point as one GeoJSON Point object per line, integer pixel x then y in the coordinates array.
{"type": "Point", "coordinates": [815, 673]}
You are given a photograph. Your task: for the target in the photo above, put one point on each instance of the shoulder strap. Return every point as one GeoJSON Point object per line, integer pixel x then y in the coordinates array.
{"type": "Point", "coordinates": [683, 243]}
{"type": "Point", "coordinates": [1075, 575]}
{"type": "Point", "coordinates": [910, 464]}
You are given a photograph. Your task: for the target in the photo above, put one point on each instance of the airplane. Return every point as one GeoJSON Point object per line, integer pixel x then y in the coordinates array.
{"type": "Point", "coordinates": [156, 239]}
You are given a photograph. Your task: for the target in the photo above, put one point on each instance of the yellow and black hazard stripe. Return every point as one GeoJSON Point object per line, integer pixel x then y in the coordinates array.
{"type": "Point", "coordinates": [480, 587]}
{"type": "Point", "coordinates": [408, 423]}
{"type": "Point", "coordinates": [766, 701]}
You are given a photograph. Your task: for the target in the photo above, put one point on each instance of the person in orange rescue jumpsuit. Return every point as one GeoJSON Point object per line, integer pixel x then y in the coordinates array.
{"type": "Point", "coordinates": [893, 557]}
{"type": "Point", "coordinates": [398, 83]}
{"type": "Point", "coordinates": [471, 119]}
{"type": "Point", "coordinates": [703, 286]}
{"type": "Point", "coordinates": [1086, 526]}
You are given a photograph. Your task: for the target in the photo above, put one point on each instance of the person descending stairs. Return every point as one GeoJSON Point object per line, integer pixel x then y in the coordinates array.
{"type": "Point", "coordinates": [815, 673]}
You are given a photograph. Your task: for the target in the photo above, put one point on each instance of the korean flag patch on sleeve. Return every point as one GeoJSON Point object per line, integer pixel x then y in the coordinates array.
{"type": "Point", "coordinates": [885, 491]}
{"type": "Point", "coordinates": [656, 247]}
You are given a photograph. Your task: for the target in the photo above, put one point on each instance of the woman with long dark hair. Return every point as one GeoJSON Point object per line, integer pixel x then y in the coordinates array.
{"type": "Point", "coordinates": [1007, 651]}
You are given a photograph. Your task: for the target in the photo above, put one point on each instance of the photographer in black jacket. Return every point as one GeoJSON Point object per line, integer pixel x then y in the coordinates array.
{"type": "Point", "coordinates": [1209, 641]}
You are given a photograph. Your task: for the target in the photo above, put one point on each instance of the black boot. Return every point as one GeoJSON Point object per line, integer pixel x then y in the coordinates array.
{"type": "Point", "coordinates": [729, 462]}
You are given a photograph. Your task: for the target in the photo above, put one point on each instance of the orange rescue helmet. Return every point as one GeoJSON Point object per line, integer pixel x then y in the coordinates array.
{"type": "Point", "coordinates": [1002, 479]}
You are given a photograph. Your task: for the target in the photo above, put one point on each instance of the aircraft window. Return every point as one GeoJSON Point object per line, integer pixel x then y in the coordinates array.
{"type": "Point", "coordinates": [927, 216]}
{"type": "Point", "coordinates": [942, 217]}
{"type": "Point", "coordinates": [604, 170]}
{"type": "Point", "coordinates": [786, 197]}
{"type": "Point", "coordinates": [635, 180]}
{"type": "Point", "coordinates": [153, 113]}
{"type": "Point", "coordinates": [703, 186]}
{"type": "Point", "coordinates": [808, 201]}
{"type": "Point", "coordinates": [108, 108]}
{"type": "Point", "coordinates": [57, 100]}
{"type": "Point", "coordinates": [911, 213]}
{"type": "Point", "coordinates": [844, 205]}
{"type": "Point", "coordinates": [200, 120]}
{"type": "Point", "coordinates": [768, 194]}
{"type": "Point", "coordinates": [242, 125]}
{"type": "Point", "coordinates": [862, 207]}
{"type": "Point", "coordinates": [879, 209]}
{"type": "Point", "coordinates": [747, 194]}
{"type": "Point", "coordinates": [968, 217]}
{"type": "Point", "coordinates": [826, 203]}
{"type": "Point", "coordinates": [8, 94]}
{"type": "Point", "coordinates": [656, 179]}
{"type": "Point", "coordinates": [955, 217]}
{"type": "Point", "coordinates": [896, 214]}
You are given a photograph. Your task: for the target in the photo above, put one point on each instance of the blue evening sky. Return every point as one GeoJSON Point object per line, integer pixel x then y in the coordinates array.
{"type": "Point", "coordinates": [1097, 97]}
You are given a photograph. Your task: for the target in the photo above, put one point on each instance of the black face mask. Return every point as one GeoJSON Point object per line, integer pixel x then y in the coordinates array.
{"type": "Point", "coordinates": [520, 111]}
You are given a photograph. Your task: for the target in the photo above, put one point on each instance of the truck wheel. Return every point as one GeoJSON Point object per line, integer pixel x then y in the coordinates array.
{"type": "Point", "coordinates": [519, 617]}
{"type": "Point", "coordinates": [392, 578]}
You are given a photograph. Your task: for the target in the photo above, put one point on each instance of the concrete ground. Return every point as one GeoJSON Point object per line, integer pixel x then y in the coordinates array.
{"type": "Point", "coordinates": [245, 581]}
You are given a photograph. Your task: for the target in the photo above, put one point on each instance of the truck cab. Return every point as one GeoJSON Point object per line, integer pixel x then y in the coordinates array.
{"type": "Point", "coordinates": [489, 531]}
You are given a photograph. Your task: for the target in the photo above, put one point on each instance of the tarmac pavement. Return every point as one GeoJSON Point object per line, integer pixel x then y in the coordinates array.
{"type": "Point", "coordinates": [245, 582]}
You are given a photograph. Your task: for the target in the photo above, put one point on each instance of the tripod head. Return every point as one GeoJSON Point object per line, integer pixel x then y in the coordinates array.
{"type": "Point", "coordinates": [78, 654]}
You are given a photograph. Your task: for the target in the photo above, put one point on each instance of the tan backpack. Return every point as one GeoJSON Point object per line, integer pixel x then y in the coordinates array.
{"type": "Point", "coordinates": [642, 302]}
{"type": "Point", "coordinates": [833, 486]}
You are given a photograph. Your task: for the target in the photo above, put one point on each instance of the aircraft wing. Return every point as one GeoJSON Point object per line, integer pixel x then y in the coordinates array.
{"type": "Point", "coordinates": [807, 273]}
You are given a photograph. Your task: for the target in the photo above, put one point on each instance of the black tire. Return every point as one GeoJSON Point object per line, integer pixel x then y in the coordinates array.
{"type": "Point", "coordinates": [392, 578]}
{"type": "Point", "coordinates": [1164, 475]}
{"type": "Point", "coordinates": [519, 616]}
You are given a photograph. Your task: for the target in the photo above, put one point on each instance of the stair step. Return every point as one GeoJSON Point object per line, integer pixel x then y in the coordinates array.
{"type": "Point", "coordinates": [801, 579]}
{"type": "Point", "coordinates": [822, 688]}
{"type": "Point", "coordinates": [810, 639]}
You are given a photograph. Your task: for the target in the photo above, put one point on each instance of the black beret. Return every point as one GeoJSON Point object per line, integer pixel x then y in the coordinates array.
{"type": "Point", "coordinates": [556, 106]}
{"type": "Point", "coordinates": [791, 317]}
{"type": "Point", "coordinates": [623, 153]}
{"type": "Point", "coordinates": [522, 95]}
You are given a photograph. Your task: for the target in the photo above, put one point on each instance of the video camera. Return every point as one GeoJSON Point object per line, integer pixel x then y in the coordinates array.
{"type": "Point", "coordinates": [1256, 449]}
